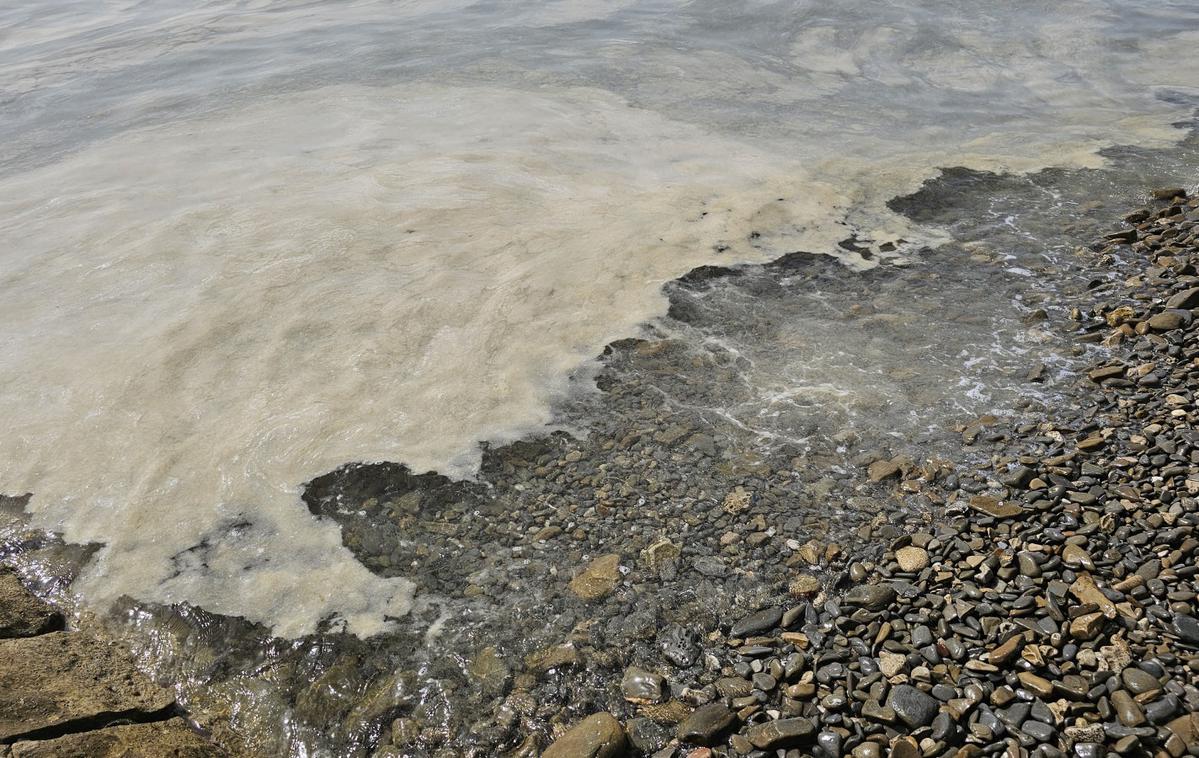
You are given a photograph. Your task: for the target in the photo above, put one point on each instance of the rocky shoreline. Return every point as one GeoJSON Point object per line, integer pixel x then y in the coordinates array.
{"type": "Point", "coordinates": [77, 694]}
{"type": "Point", "coordinates": [1017, 600]}
{"type": "Point", "coordinates": [1051, 611]}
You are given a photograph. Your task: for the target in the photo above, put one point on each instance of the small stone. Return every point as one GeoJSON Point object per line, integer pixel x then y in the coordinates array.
{"type": "Point", "coordinates": [804, 585]}
{"type": "Point", "coordinates": [828, 745]}
{"type": "Point", "coordinates": [641, 686]}
{"type": "Point", "coordinates": [784, 733]}
{"type": "Point", "coordinates": [598, 579]}
{"type": "Point", "coordinates": [1087, 626]}
{"type": "Point", "coordinates": [1007, 651]}
{"type": "Point", "coordinates": [872, 597]}
{"type": "Point", "coordinates": [867, 750]}
{"type": "Point", "coordinates": [647, 736]}
{"type": "Point", "coordinates": [757, 623]}
{"type": "Point", "coordinates": [1167, 193]}
{"type": "Point", "coordinates": [1127, 710]}
{"type": "Point", "coordinates": [1036, 685]}
{"type": "Point", "coordinates": [1040, 732]}
{"type": "Point", "coordinates": [1138, 681]}
{"type": "Point", "coordinates": [905, 747]}
{"type": "Point", "coordinates": [1075, 556]}
{"type": "Point", "coordinates": [738, 500]}
{"type": "Point", "coordinates": [1187, 628]}
{"type": "Point", "coordinates": [891, 663]}
{"type": "Point", "coordinates": [1185, 300]}
{"type": "Point", "coordinates": [597, 736]}
{"type": "Point", "coordinates": [1186, 728]}
{"type": "Point", "coordinates": [706, 725]}
{"type": "Point", "coordinates": [911, 559]}
{"type": "Point", "coordinates": [880, 470]}
{"type": "Point", "coordinates": [913, 706]}
{"type": "Point", "coordinates": [659, 554]}
{"type": "Point", "coordinates": [489, 670]}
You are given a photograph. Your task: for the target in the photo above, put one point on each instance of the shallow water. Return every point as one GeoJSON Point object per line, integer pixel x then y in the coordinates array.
{"type": "Point", "coordinates": [245, 243]}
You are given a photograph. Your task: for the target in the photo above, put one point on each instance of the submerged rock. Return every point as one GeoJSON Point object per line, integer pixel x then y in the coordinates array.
{"type": "Point", "coordinates": [598, 579]}
{"type": "Point", "coordinates": [597, 736]}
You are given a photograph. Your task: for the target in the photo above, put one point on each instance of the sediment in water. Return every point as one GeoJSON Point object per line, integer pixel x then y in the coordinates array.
{"type": "Point", "coordinates": [721, 488]}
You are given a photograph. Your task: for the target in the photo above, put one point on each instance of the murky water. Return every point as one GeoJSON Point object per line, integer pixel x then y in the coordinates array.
{"type": "Point", "coordinates": [245, 243]}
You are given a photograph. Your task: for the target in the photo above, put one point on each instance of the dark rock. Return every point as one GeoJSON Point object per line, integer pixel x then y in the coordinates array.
{"type": "Point", "coordinates": [757, 623]}
{"type": "Point", "coordinates": [872, 597]}
{"type": "Point", "coordinates": [647, 736]}
{"type": "Point", "coordinates": [1187, 628]}
{"type": "Point", "coordinates": [707, 724]}
{"type": "Point", "coordinates": [913, 706]}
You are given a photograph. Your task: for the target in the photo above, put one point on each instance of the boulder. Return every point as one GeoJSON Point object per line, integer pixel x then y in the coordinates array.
{"type": "Point", "coordinates": [67, 680]}
{"type": "Point", "coordinates": [164, 739]}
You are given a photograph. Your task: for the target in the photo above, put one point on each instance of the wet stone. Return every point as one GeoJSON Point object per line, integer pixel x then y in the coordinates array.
{"type": "Point", "coordinates": [783, 733]}
{"type": "Point", "coordinates": [641, 686]}
{"type": "Point", "coordinates": [1127, 709]}
{"type": "Point", "coordinates": [1039, 731]}
{"type": "Point", "coordinates": [1187, 628]}
{"type": "Point", "coordinates": [598, 579]}
{"type": "Point", "coordinates": [914, 707]}
{"type": "Point", "coordinates": [646, 735]}
{"type": "Point", "coordinates": [597, 736]}
{"type": "Point", "coordinates": [872, 597]}
{"type": "Point", "coordinates": [707, 724]}
{"type": "Point", "coordinates": [757, 623]}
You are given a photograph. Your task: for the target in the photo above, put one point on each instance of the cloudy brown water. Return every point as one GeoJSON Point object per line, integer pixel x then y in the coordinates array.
{"type": "Point", "coordinates": [245, 243]}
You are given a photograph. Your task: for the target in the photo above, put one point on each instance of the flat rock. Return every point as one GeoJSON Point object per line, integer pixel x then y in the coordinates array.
{"type": "Point", "coordinates": [783, 733]}
{"type": "Point", "coordinates": [598, 579]}
{"type": "Point", "coordinates": [163, 739]}
{"type": "Point", "coordinates": [56, 679]}
{"type": "Point", "coordinates": [994, 507]}
{"type": "Point", "coordinates": [880, 470]}
{"type": "Point", "coordinates": [22, 614]}
{"type": "Point", "coordinates": [599, 735]}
